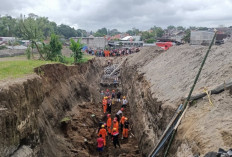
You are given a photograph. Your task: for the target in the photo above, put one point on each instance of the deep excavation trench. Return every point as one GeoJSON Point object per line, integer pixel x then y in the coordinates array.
{"type": "Point", "coordinates": [57, 113]}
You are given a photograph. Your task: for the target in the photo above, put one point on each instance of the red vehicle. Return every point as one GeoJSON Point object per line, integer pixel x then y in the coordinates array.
{"type": "Point", "coordinates": [164, 45]}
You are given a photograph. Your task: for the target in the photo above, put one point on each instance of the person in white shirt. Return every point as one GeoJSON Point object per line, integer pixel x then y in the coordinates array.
{"type": "Point", "coordinates": [124, 102]}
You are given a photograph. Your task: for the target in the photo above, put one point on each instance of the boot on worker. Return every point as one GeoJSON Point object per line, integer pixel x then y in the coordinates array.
{"type": "Point", "coordinates": [125, 128]}
{"type": "Point", "coordinates": [109, 123]}
{"type": "Point", "coordinates": [103, 133]}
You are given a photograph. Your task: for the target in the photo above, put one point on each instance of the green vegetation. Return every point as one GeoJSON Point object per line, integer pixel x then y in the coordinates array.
{"type": "Point", "coordinates": [76, 49]}
{"type": "Point", "coordinates": [3, 47]}
{"type": "Point", "coordinates": [65, 119]}
{"type": "Point", "coordinates": [16, 69]}
{"type": "Point", "coordinates": [70, 60]}
{"type": "Point", "coordinates": [9, 27]}
{"type": "Point", "coordinates": [10, 68]}
{"type": "Point", "coordinates": [186, 38]}
{"type": "Point", "coordinates": [54, 48]}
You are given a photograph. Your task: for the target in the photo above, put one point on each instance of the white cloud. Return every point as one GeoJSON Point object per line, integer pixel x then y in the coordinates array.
{"type": "Point", "coordinates": [125, 14]}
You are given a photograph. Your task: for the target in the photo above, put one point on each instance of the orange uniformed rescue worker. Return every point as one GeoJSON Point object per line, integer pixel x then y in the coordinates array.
{"type": "Point", "coordinates": [125, 129]}
{"type": "Point", "coordinates": [115, 124]}
{"type": "Point", "coordinates": [104, 102]}
{"type": "Point", "coordinates": [109, 123]}
{"type": "Point", "coordinates": [122, 123]}
{"type": "Point", "coordinates": [103, 133]}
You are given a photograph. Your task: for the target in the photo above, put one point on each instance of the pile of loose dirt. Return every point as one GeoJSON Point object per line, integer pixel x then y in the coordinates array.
{"type": "Point", "coordinates": [170, 75]}
{"type": "Point", "coordinates": [206, 128]}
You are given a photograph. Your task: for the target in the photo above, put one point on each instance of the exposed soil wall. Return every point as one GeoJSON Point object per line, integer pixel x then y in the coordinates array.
{"type": "Point", "coordinates": [36, 106]}
{"type": "Point", "coordinates": [148, 115]}
{"type": "Point", "coordinates": [156, 81]}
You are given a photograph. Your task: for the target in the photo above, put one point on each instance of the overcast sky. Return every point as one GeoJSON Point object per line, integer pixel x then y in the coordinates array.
{"type": "Point", "coordinates": [125, 14]}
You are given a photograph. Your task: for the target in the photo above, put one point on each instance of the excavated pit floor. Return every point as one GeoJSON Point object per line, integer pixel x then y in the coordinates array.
{"type": "Point", "coordinates": [82, 130]}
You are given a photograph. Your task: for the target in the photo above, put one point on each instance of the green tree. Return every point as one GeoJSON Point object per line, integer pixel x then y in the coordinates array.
{"type": "Point", "coordinates": [133, 32]}
{"type": "Point", "coordinates": [186, 38]}
{"type": "Point", "coordinates": [55, 47]}
{"type": "Point", "coordinates": [8, 26]}
{"type": "Point", "coordinates": [171, 27]}
{"type": "Point", "coordinates": [101, 32]}
{"type": "Point", "coordinates": [30, 30]}
{"type": "Point", "coordinates": [157, 31]}
{"type": "Point", "coordinates": [113, 32]}
{"type": "Point", "coordinates": [67, 31]}
{"type": "Point", "coordinates": [76, 49]}
{"type": "Point", "coordinates": [180, 28]}
{"type": "Point", "coordinates": [130, 32]}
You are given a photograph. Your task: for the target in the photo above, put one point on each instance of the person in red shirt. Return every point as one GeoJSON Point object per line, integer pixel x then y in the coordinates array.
{"type": "Point", "coordinates": [100, 143]}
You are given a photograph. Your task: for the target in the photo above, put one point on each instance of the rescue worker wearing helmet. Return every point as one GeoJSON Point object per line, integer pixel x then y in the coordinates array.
{"type": "Point", "coordinates": [109, 123]}
{"type": "Point", "coordinates": [115, 135]}
{"type": "Point", "coordinates": [103, 133]}
{"type": "Point", "coordinates": [125, 128]}
{"type": "Point", "coordinates": [115, 124]}
{"type": "Point", "coordinates": [104, 102]}
{"type": "Point", "coordinates": [124, 102]}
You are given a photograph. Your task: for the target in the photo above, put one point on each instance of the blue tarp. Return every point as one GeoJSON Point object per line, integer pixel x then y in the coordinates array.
{"type": "Point", "coordinates": [84, 48]}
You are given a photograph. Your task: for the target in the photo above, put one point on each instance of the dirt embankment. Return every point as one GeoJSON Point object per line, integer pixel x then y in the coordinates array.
{"type": "Point", "coordinates": [34, 108]}
{"type": "Point", "coordinates": [158, 82]}
{"type": "Point", "coordinates": [148, 116]}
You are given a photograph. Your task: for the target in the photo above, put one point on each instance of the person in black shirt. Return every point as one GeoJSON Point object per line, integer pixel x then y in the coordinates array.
{"type": "Point", "coordinates": [118, 96]}
{"type": "Point", "coordinates": [115, 138]}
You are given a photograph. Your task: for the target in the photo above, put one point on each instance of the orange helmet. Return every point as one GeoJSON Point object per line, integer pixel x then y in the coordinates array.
{"type": "Point", "coordinates": [114, 129]}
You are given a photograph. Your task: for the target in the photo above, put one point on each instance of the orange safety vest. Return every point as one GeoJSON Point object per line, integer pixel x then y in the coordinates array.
{"type": "Point", "coordinates": [104, 134]}
{"type": "Point", "coordinates": [115, 125]}
{"type": "Point", "coordinates": [122, 121]}
{"type": "Point", "coordinates": [108, 123]}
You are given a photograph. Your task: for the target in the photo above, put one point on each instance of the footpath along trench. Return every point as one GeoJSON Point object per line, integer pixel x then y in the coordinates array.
{"type": "Point", "coordinates": [82, 131]}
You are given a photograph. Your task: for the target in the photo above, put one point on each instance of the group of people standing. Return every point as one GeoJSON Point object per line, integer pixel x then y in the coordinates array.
{"type": "Point", "coordinates": [119, 126]}
{"type": "Point", "coordinates": [113, 52]}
